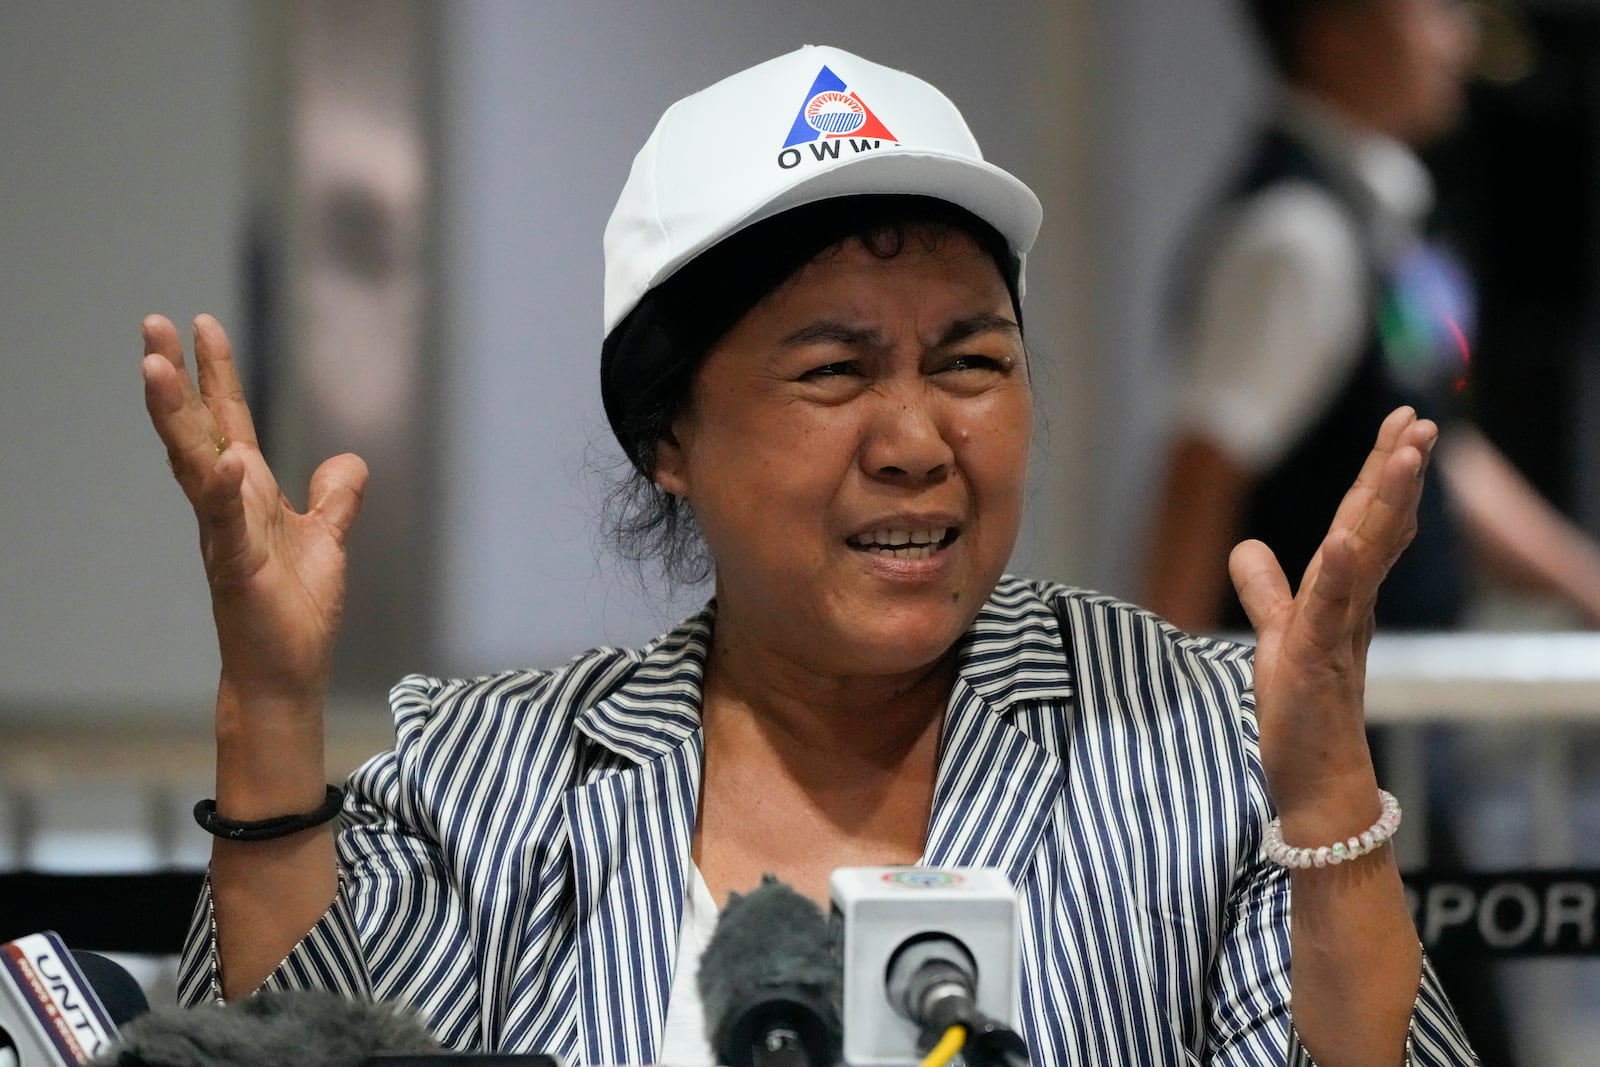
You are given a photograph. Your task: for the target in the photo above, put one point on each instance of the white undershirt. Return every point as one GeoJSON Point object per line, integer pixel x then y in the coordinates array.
{"type": "Point", "coordinates": [683, 1043]}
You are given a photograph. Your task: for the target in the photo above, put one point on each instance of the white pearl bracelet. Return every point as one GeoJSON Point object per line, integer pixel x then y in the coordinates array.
{"type": "Point", "coordinates": [1369, 840]}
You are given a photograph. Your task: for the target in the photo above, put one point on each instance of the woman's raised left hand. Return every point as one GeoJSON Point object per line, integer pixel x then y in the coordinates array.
{"type": "Point", "coordinates": [1311, 651]}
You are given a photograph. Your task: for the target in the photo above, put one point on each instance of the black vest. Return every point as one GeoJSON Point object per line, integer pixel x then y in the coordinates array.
{"type": "Point", "coordinates": [1292, 504]}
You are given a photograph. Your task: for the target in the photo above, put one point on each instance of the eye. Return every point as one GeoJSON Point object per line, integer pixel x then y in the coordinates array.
{"type": "Point", "coordinates": [840, 369]}
{"type": "Point", "coordinates": [977, 361]}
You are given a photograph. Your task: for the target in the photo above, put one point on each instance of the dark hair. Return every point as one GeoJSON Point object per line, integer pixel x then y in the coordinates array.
{"type": "Point", "coordinates": [649, 361]}
{"type": "Point", "coordinates": [1278, 25]}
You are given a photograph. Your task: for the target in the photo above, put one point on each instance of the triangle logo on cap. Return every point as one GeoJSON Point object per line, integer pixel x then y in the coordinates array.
{"type": "Point", "coordinates": [830, 110]}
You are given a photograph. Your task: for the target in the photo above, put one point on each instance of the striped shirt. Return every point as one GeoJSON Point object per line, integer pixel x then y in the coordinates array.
{"type": "Point", "coordinates": [514, 870]}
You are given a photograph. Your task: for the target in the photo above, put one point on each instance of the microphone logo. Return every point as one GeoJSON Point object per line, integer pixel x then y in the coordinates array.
{"type": "Point", "coordinates": [60, 1011]}
{"type": "Point", "coordinates": [923, 878]}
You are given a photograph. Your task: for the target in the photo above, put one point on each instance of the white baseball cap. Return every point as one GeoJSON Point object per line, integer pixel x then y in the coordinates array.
{"type": "Point", "coordinates": [816, 123]}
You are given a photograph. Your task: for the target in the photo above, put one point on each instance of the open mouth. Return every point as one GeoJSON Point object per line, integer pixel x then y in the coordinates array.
{"type": "Point", "coordinates": [905, 543]}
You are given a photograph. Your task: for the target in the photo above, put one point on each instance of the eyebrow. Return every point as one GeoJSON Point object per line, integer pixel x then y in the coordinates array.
{"type": "Point", "coordinates": [989, 322]}
{"type": "Point", "coordinates": [828, 331]}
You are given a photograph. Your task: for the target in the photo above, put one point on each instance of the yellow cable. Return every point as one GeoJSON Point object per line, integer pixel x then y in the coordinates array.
{"type": "Point", "coordinates": [946, 1049]}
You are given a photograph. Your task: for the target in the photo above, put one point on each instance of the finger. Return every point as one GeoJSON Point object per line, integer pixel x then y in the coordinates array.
{"type": "Point", "coordinates": [225, 537]}
{"type": "Point", "coordinates": [1399, 422]}
{"type": "Point", "coordinates": [337, 489]}
{"type": "Point", "coordinates": [1342, 589]}
{"type": "Point", "coordinates": [1390, 432]}
{"type": "Point", "coordinates": [161, 339]}
{"type": "Point", "coordinates": [1262, 587]}
{"type": "Point", "coordinates": [1327, 599]}
{"type": "Point", "coordinates": [1338, 614]}
{"type": "Point", "coordinates": [1389, 522]}
{"type": "Point", "coordinates": [219, 382]}
{"type": "Point", "coordinates": [180, 420]}
{"type": "Point", "coordinates": [1400, 432]}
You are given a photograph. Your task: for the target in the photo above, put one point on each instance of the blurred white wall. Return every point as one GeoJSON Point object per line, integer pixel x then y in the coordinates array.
{"type": "Point", "coordinates": [121, 193]}
{"type": "Point", "coordinates": [1177, 102]}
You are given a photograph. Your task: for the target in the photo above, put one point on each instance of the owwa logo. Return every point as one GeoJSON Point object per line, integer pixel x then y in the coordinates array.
{"type": "Point", "coordinates": [830, 117]}
{"type": "Point", "coordinates": [923, 878]}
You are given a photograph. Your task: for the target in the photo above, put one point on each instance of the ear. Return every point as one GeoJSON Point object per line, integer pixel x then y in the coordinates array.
{"type": "Point", "coordinates": [672, 466]}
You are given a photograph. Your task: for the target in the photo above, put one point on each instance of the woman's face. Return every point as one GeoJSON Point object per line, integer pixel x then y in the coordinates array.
{"type": "Point", "coordinates": [855, 452]}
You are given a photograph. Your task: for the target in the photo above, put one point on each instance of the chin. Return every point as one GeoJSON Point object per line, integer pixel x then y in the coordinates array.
{"type": "Point", "coordinates": [900, 643]}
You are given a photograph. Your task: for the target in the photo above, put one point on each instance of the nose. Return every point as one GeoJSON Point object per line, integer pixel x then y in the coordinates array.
{"type": "Point", "coordinates": [906, 443]}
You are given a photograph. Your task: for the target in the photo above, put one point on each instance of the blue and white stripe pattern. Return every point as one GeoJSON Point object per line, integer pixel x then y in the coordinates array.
{"type": "Point", "coordinates": [515, 868]}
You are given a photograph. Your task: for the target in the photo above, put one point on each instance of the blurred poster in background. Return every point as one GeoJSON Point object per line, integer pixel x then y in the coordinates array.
{"type": "Point", "coordinates": [339, 297]}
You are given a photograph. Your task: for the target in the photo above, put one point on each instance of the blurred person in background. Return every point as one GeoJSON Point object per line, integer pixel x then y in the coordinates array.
{"type": "Point", "coordinates": [1314, 307]}
{"type": "Point", "coordinates": [1315, 303]}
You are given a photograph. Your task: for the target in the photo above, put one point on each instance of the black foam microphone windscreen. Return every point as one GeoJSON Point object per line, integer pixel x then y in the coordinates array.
{"type": "Point", "coordinates": [769, 983]}
{"type": "Point", "coordinates": [274, 1028]}
{"type": "Point", "coordinates": [120, 994]}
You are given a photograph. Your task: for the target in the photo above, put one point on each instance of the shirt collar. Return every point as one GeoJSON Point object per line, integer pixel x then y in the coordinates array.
{"type": "Point", "coordinates": [1390, 184]}
{"type": "Point", "coordinates": [656, 708]}
{"type": "Point", "coordinates": [1012, 653]}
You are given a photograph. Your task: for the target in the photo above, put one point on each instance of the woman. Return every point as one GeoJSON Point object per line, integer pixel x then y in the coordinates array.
{"type": "Point", "coordinates": [814, 359]}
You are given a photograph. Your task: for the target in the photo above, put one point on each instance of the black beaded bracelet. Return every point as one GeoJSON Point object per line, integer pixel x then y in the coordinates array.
{"type": "Point", "coordinates": [205, 813]}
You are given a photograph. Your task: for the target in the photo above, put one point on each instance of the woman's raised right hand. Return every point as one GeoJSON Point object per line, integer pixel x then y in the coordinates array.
{"type": "Point", "coordinates": [277, 576]}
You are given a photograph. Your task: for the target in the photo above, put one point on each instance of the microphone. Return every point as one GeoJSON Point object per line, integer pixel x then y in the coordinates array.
{"type": "Point", "coordinates": [273, 1028]}
{"type": "Point", "coordinates": [769, 982]}
{"type": "Point", "coordinates": [60, 1008]}
{"type": "Point", "coordinates": [119, 993]}
{"type": "Point", "coordinates": [925, 949]}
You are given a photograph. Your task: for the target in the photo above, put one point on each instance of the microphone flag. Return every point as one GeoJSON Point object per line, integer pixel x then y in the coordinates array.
{"type": "Point", "coordinates": [47, 1006]}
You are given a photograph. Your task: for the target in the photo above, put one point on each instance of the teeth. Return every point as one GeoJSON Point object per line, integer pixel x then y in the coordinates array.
{"type": "Point", "coordinates": [906, 551]}
{"type": "Point", "coordinates": [903, 544]}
